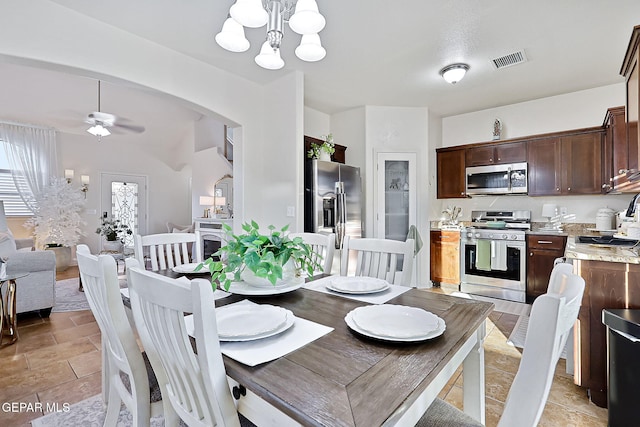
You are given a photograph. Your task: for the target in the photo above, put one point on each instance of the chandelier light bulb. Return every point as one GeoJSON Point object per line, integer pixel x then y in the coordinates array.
{"type": "Point", "coordinates": [99, 130]}
{"type": "Point", "coordinates": [310, 49]}
{"type": "Point", "coordinates": [454, 73]}
{"type": "Point", "coordinates": [232, 37]}
{"type": "Point", "coordinates": [269, 58]}
{"type": "Point", "coordinates": [307, 19]}
{"type": "Point", "coordinates": [249, 13]}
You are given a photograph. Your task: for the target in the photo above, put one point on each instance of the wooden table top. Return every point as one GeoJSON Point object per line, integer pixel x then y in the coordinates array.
{"type": "Point", "coordinates": [344, 379]}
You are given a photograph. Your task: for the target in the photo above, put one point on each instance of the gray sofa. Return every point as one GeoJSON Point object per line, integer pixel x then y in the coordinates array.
{"type": "Point", "coordinates": [37, 290]}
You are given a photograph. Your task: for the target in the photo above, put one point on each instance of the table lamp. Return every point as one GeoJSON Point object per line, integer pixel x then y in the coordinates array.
{"type": "Point", "coordinates": [549, 211]}
{"type": "Point", "coordinates": [206, 201]}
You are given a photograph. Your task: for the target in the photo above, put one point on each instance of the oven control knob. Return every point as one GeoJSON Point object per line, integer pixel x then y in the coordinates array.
{"type": "Point", "coordinates": [477, 235]}
{"type": "Point", "coordinates": [514, 237]}
{"type": "Point", "coordinates": [504, 237]}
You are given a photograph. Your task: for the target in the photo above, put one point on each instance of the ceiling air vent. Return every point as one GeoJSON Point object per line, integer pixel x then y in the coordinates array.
{"type": "Point", "coordinates": [509, 59]}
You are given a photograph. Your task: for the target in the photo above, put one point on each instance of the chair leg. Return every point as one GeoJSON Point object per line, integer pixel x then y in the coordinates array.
{"type": "Point", "coordinates": [113, 408]}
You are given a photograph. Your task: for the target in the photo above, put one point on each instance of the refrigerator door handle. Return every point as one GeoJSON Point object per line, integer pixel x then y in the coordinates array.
{"type": "Point", "coordinates": [340, 214]}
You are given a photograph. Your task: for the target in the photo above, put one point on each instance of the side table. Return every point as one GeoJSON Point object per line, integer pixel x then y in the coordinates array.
{"type": "Point", "coordinates": [8, 306]}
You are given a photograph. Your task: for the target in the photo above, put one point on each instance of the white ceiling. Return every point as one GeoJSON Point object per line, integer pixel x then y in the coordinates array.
{"type": "Point", "coordinates": [378, 53]}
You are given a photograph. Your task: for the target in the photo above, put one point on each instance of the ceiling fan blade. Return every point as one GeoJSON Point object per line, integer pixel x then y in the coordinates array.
{"type": "Point", "coordinates": [130, 128]}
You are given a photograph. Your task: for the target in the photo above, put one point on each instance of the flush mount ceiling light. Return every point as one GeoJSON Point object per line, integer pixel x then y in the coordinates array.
{"type": "Point", "coordinates": [305, 20]}
{"type": "Point", "coordinates": [454, 73]}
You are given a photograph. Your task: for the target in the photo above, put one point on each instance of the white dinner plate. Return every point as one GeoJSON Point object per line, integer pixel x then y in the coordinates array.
{"type": "Point", "coordinates": [291, 319]}
{"type": "Point", "coordinates": [247, 321]}
{"type": "Point", "coordinates": [433, 334]}
{"type": "Point", "coordinates": [243, 288]}
{"type": "Point", "coordinates": [395, 321]}
{"type": "Point", "coordinates": [190, 268]}
{"type": "Point", "coordinates": [357, 285]}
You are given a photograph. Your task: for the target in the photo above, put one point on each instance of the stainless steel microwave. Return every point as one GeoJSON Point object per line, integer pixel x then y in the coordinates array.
{"type": "Point", "coordinates": [497, 179]}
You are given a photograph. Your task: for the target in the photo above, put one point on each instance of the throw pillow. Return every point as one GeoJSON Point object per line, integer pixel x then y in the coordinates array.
{"type": "Point", "coordinates": [7, 244]}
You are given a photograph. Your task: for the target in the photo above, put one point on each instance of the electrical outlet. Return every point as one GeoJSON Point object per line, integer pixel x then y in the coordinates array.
{"type": "Point", "coordinates": [563, 210]}
{"type": "Point", "coordinates": [291, 211]}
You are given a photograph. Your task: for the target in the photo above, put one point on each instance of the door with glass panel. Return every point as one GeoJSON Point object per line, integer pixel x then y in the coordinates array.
{"type": "Point", "coordinates": [124, 197]}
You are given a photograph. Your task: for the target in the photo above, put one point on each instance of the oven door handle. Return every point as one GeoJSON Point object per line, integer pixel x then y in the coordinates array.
{"type": "Point", "coordinates": [493, 249]}
{"type": "Point", "coordinates": [509, 179]}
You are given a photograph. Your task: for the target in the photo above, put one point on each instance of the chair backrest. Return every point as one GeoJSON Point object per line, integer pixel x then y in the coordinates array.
{"type": "Point", "coordinates": [380, 258]}
{"type": "Point", "coordinates": [323, 246]}
{"type": "Point", "coordinates": [552, 316]}
{"type": "Point", "coordinates": [165, 250]}
{"type": "Point", "coordinates": [558, 272]}
{"type": "Point", "coordinates": [197, 384]}
{"type": "Point", "coordinates": [99, 276]}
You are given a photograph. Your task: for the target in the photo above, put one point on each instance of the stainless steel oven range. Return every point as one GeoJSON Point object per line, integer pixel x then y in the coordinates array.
{"type": "Point", "coordinates": [493, 254]}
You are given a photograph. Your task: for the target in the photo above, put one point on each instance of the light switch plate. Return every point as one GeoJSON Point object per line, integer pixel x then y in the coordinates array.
{"type": "Point", "coordinates": [291, 211]}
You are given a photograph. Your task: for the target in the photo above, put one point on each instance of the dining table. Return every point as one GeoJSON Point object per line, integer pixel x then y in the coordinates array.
{"type": "Point", "coordinates": [344, 378]}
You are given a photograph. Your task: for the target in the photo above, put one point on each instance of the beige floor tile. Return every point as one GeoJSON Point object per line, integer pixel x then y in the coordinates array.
{"type": "Point", "coordinates": [34, 342]}
{"type": "Point", "coordinates": [558, 415]}
{"type": "Point", "coordinates": [15, 415]}
{"type": "Point", "coordinates": [73, 334]}
{"type": "Point", "coordinates": [62, 351]}
{"type": "Point", "coordinates": [505, 361]}
{"type": "Point", "coordinates": [564, 392]}
{"type": "Point", "coordinates": [82, 318]}
{"type": "Point", "coordinates": [28, 382]}
{"type": "Point", "coordinates": [86, 363]}
{"type": "Point", "coordinates": [73, 391]}
{"type": "Point", "coordinates": [96, 340]}
{"type": "Point", "coordinates": [10, 365]}
{"type": "Point", "coordinates": [497, 383]}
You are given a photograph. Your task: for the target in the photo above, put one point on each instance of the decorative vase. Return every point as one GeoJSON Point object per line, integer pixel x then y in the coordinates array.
{"type": "Point", "coordinates": [63, 256]}
{"type": "Point", "coordinates": [289, 277]}
{"type": "Point", "coordinates": [324, 156]}
{"type": "Point", "coordinates": [114, 246]}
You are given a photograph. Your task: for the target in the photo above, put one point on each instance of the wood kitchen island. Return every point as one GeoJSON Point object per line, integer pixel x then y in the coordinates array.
{"type": "Point", "coordinates": [612, 279]}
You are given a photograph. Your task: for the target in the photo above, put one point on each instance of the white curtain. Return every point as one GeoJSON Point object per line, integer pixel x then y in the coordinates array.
{"type": "Point", "coordinates": [32, 157]}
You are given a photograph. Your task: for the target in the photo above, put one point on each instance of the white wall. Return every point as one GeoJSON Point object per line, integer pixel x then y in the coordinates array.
{"type": "Point", "coordinates": [348, 129]}
{"type": "Point", "coordinates": [52, 36]}
{"type": "Point", "coordinates": [575, 110]}
{"type": "Point", "coordinates": [316, 123]}
{"type": "Point", "coordinates": [399, 129]}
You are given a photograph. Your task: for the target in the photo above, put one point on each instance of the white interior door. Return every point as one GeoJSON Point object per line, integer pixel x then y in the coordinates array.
{"type": "Point", "coordinates": [124, 197]}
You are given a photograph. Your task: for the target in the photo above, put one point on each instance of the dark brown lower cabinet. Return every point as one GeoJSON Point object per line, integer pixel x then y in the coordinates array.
{"type": "Point", "coordinates": [608, 285]}
{"type": "Point", "coordinates": [543, 250]}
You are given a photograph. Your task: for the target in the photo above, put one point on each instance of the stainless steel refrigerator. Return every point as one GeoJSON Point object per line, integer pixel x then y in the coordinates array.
{"type": "Point", "coordinates": [333, 199]}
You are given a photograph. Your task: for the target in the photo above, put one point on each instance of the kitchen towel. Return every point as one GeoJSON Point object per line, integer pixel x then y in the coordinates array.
{"type": "Point", "coordinates": [483, 255]}
{"type": "Point", "coordinates": [375, 298]}
{"type": "Point", "coordinates": [499, 255]}
{"type": "Point", "coordinates": [252, 353]}
{"type": "Point", "coordinates": [415, 235]}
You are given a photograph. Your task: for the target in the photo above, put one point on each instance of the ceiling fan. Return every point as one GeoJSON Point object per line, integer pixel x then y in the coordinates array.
{"type": "Point", "coordinates": [102, 124]}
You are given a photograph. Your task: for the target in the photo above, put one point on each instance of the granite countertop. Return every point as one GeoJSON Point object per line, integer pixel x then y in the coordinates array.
{"type": "Point", "coordinates": [593, 252]}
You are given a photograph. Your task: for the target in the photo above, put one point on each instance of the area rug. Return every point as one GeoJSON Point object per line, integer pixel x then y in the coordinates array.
{"type": "Point", "coordinates": [68, 297]}
{"type": "Point", "coordinates": [519, 335]}
{"type": "Point", "coordinates": [89, 412]}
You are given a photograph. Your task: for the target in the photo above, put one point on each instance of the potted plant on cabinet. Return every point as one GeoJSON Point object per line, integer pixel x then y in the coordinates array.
{"type": "Point", "coordinates": [322, 151]}
{"type": "Point", "coordinates": [56, 221]}
{"type": "Point", "coordinates": [113, 231]}
{"type": "Point", "coordinates": [261, 259]}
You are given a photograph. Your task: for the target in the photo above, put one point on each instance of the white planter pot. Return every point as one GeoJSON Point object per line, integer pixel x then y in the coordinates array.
{"type": "Point", "coordinates": [288, 277]}
{"type": "Point", "coordinates": [324, 156]}
{"type": "Point", "coordinates": [112, 246]}
{"type": "Point", "coordinates": [63, 257]}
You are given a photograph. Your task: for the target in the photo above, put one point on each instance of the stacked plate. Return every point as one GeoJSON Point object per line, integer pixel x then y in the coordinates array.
{"type": "Point", "coordinates": [357, 285]}
{"type": "Point", "coordinates": [245, 322]}
{"type": "Point", "coordinates": [396, 323]}
{"type": "Point", "coordinates": [190, 268]}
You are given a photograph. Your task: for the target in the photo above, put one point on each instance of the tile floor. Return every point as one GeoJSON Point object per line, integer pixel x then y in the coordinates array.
{"type": "Point", "coordinates": [57, 360]}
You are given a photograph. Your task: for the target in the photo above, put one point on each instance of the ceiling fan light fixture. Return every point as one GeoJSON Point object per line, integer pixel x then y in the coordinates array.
{"type": "Point", "coordinates": [307, 19]}
{"type": "Point", "coordinates": [269, 57]}
{"type": "Point", "coordinates": [99, 130]}
{"type": "Point", "coordinates": [310, 48]}
{"type": "Point", "coordinates": [232, 37]}
{"type": "Point", "coordinates": [454, 73]}
{"type": "Point", "coordinates": [249, 13]}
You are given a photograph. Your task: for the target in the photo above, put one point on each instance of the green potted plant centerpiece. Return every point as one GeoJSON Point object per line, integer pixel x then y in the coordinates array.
{"type": "Point", "coordinates": [322, 151]}
{"type": "Point", "coordinates": [261, 259]}
{"type": "Point", "coordinates": [113, 231]}
{"type": "Point", "coordinates": [57, 221]}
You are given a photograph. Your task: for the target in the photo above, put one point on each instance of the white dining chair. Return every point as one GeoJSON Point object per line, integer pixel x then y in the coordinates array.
{"type": "Point", "coordinates": [380, 258]}
{"type": "Point", "coordinates": [323, 247]}
{"type": "Point", "coordinates": [552, 317]}
{"type": "Point", "coordinates": [127, 374]}
{"type": "Point", "coordinates": [164, 250]}
{"type": "Point", "coordinates": [197, 383]}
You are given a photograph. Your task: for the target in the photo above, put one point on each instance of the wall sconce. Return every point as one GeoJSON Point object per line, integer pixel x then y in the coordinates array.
{"type": "Point", "coordinates": [68, 174]}
{"type": "Point", "coordinates": [206, 201]}
{"type": "Point", "coordinates": [85, 184]}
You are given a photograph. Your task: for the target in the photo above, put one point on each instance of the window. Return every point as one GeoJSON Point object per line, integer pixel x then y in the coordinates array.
{"type": "Point", "coordinates": [13, 204]}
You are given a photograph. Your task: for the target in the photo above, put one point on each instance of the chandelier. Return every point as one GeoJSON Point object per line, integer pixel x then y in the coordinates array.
{"type": "Point", "coordinates": [305, 20]}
